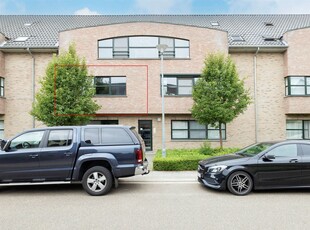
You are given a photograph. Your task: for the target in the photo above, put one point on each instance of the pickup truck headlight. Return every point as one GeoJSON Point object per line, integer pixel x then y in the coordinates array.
{"type": "Point", "coordinates": [217, 169]}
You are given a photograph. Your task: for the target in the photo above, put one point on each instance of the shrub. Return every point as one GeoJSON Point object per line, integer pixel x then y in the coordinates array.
{"type": "Point", "coordinates": [186, 159]}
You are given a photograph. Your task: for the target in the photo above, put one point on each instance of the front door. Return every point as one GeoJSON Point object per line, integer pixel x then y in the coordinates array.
{"type": "Point", "coordinates": [145, 130]}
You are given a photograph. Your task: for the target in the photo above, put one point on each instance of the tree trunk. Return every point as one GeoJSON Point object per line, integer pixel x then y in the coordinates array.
{"type": "Point", "coordinates": [221, 138]}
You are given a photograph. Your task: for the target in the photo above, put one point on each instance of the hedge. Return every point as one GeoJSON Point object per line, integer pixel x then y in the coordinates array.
{"type": "Point", "coordinates": [185, 159]}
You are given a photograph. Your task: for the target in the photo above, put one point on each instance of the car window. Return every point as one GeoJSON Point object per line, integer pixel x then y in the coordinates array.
{"type": "Point", "coordinates": [59, 138]}
{"type": "Point", "coordinates": [289, 150]}
{"type": "Point", "coordinates": [27, 140]}
{"type": "Point", "coordinates": [306, 150]}
{"type": "Point", "coordinates": [115, 136]}
{"type": "Point", "coordinates": [91, 136]}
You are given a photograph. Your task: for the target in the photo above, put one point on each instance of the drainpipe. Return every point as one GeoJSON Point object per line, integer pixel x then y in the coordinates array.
{"type": "Point", "coordinates": [255, 94]}
{"type": "Point", "coordinates": [33, 83]}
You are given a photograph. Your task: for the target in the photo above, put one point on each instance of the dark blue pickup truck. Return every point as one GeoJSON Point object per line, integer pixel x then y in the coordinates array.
{"type": "Point", "coordinates": [95, 156]}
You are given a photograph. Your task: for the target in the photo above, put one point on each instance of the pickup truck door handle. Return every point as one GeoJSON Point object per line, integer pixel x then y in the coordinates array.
{"type": "Point", "coordinates": [293, 161]}
{"type": "Point", "coordinates": [68, 154]}
{"type": "Point", "coordinates": [34, 155]}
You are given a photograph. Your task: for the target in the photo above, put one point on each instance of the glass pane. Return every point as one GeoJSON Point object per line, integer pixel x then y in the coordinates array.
{"type": "Point", "coordinates": [293, 124]}
{"type": "Point", "coordinates": [185, 90]}
{"type": "Point", "coordinates": [166, 41]}
{"type": "Point", "coordinates": [179, 134]}
{"type": "Point", "coordinates": [306, 129]}
{"type": "Point", "coordinates": [59, 138]}
{"type": "Point", "coordinates": [143, 53]}
{"type": "Point", "coordinates": [297, 80]}
{"type": "Point", "coordinates": [308, 90]}
{"type": "Point", "coordinates": [170, 86]}
{"type": "Point", "coordinates": [102, 81]}
{"type": "Point", "coordinates": [185, 82]}
{"type": "Point", "coordinates": [297, 90]}
{"type": "Point", "coordinates": [214, 134]}
{"type": "Point", "coordinates": [91, 136]}
{"type": "Point", "coordinates": [179, 125]}
{"type": "Point", "coordinates": [120, 42]}
{"type": "Point", "coordinates": [1, 124]}
{"type": "Point", "coordinates": [216, 126]}
{"type": "Point", "coordinates": [196, 125]}
{"type": "Point", "coordinates": [118, 80]}
{"type": "Point", "coordinates": [284, 151]}
{"type": "Point", "coordinates": [27, 140]}
{"type": "Point", "coordinates": [109, 134]}
{"type": "Point", "coordinates": [197, 134]}
{"type": "Point", "coordinates": [181, 43]}
{"type": "Point", "coordinates": [294, 134]}
{"type": "Point", "coordinates": [143, 41]}
{"type": "Point", "coordinates": [119, 89]}
{"type": "Point", "coordinates": [182, 52]}
{"type": "Point", "coordinates": [105, 53]}
{"type": "Point", "coordinates": [306, 150]}
{"type": "Point", "coordinates": [1, 134]}
{"type": "Point", "coordinates": [308, 80]}
{"type": "Point", "coordinates": [106, 43]}
{"type": "Point", "coordinates": [1, 81]}
{"type": "Point", "coordinates": [103, 90]}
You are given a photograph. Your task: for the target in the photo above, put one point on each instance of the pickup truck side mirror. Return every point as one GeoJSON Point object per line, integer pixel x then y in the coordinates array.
{"type": "Point", "coordinates": [3, 143]}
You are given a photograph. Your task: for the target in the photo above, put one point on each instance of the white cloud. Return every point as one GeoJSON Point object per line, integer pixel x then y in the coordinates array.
{"type": "Point", "coordinates": [86, 11]}
{"type": "Point", "coordinates": [269, 6]}
{"type": "Point", "coordinates": [163, 6]}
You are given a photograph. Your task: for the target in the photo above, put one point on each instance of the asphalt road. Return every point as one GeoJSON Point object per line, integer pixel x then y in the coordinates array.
{"type": "Point", "coordinates": [151, 205]}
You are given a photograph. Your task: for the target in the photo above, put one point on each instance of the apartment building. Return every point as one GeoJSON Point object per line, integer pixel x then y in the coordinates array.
{"type": "Point", "coordinates": [270, 51]}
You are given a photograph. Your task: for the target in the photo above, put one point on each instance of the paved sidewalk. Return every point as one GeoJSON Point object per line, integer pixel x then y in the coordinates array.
{"type": "Point", "coordinates": [163, 176]}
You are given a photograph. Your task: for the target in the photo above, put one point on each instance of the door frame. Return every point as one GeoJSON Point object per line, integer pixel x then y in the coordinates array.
{"type": "Point", "coordinates": [151, 132]}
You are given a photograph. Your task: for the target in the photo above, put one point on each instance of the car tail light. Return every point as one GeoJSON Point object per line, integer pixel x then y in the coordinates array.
{"type": "Point", "coordinates": [139, 155]}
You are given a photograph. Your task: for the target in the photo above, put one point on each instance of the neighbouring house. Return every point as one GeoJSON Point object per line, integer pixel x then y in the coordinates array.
{"type": "Point", "coordinates": [271, 53]}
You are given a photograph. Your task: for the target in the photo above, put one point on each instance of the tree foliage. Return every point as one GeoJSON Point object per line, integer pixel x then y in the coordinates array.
{"type": "Point", "coordinates": [66, 93]}
{"type": "Point", "coordinates": [219, 95]}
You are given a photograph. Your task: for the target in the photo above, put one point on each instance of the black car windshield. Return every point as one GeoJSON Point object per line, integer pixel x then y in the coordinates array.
{"type": "Point", "coordinates": [254, 149]}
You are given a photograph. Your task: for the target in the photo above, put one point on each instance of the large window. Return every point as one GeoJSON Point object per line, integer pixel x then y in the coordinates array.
{"type": "Point", "coordinates": [297, 85]}
{"type": "Point", "coordinates": [1, 87]}
{"type": "Point", "coordinates": [297, 129]}
{"type": "Point", "coordinates": [110, 86]}
{"type": "Point", "coordinates": [194, 130]}
{"type": "Point", "coordinates": [142, 47]}
{"type": "Point", "coordinates": [179, 85]}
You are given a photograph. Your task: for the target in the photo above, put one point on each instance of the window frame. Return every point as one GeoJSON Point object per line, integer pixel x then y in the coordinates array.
{"type": "Point", "coordinates": [189, 129]}
{"type": "Point", "coordinates": [193, 77]}
{"type": "Point", "coordinates": [302, 130]}
{"type": "Point", "coordinates": [2, 83]}
{"type": "Point", "coordinates": [288, 86]}
{"type": "Point", "coordinates": [110, 86]}
{"type": "Point", "coordinates": [170, 53]}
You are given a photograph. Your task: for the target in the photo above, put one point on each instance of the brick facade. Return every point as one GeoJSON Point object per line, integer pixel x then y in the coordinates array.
{"type": "Point", "coordinates": [268, 69]}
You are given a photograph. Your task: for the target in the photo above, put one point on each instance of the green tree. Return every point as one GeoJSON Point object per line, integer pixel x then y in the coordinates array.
{"type": "Point", "coordinates": [219, 95]}
{"type": "Point", "coordinates": [66, 93]}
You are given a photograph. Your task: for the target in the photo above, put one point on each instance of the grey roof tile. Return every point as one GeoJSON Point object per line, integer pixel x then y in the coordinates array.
{"type": "Point", "coordinates": [44, 30]}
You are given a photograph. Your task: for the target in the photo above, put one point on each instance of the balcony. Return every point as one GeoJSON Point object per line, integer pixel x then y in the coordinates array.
{"type": "Point", "coordinates": [297, 105]}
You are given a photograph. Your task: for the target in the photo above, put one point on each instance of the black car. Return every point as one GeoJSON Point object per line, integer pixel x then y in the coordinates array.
{"type": "Point", "coordinates": [268, 165]}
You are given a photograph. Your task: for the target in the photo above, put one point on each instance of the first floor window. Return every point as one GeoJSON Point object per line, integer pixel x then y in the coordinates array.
{"type": "Point", "coordinates": [297, 85]}
{"type": "Point", "coordinates": [193, 130]}
{"type": "Point", "coordinates": [114, 86]}
{"type": "Point", "coordinates": [298, 129]}
{"type": "Point", "coordinates": [179, 85]}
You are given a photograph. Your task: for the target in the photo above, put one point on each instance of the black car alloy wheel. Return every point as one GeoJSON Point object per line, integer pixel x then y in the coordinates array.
{"type": "Point", "coordinates": [240, 183]}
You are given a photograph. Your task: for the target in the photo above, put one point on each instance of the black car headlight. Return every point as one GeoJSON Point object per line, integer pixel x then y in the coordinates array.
{"type": "Point", "coordinates": [216, 169]}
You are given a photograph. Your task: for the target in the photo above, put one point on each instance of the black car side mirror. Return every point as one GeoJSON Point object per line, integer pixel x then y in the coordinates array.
{"type": "Point", "coordinates": [268, 157]}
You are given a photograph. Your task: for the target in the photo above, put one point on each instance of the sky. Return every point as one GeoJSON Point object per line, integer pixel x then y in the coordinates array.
{"type": "Point", "coordinates": [129, 7]}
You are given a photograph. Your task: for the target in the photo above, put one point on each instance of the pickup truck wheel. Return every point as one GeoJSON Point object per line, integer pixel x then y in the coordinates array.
{"type": "Point", "coordinates": [97, 181]}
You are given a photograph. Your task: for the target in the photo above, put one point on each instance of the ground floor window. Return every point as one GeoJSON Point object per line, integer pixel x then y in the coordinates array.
{"type": "Point", "coordinates": [193, 130]}
{"type": "Point", "coordinates": [1, 129]}
{"type": "Point", "coordinates": [298, 129]}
